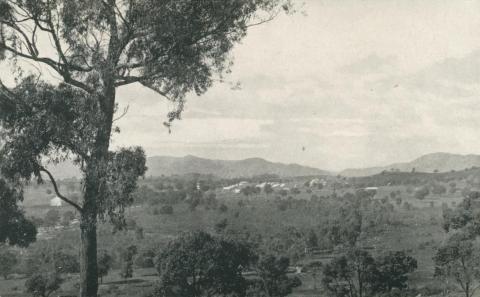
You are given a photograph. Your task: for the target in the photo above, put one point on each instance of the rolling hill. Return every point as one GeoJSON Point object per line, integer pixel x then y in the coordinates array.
{"type": "Point", "coordinates": [160, 165]}
{"type": "Point", "coordinates": [223, 168]}
{"type": "Point", "coordinates": [441, 162]}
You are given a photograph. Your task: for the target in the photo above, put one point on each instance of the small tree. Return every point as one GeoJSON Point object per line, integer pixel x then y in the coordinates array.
{"type": "Point", "coordinates": [295, 191]}
{"type": "Point", "coordinates": [315, 269]}
{"type": "Point", "coordinates": [421, 193]}
{"type": "Point", "coordinates": [439, 189]}
{"type": "Point", "coordinates": [67, 217]}
{"type": "Point", "coordinates": [354, 274]}
{"type": "Point", "coordinates": [273, 276]}
{"type": "Point", "coordinates": [104, 264]}
{"type": "Point", "coordinates": [248, 191]}
{"type": "Point", "coordinates": [146, 258]}
{"type": "Point", "coordinates": [312, 239]}
{"type": "Point", "coordinates": [268, 189]}
{"type": "Point", "coordinates": [15, 229]}
{"type": "Point", "coordinates": [65, 262]}
{"type": "Point", "coordinates": [139, 234]}
{"type": "Point", "coordinates": [459, 260]}
{"type": "Point", "coordinates": [43, 284]}
{"type": "Point", "coordinates": [198, 264]}
{"type": "Point", "coordinates": [43, 277]}
{"type": "Point", "coordinates": [398, 201]}
{"type": "Point", "coordinates": [393, 270]}
{"type": "Point", "coordinates": [127, 256]}
{"type": "Point", "coordinates": [52, 217]}
{"type": "Point", "coordinates": [166, 209]}
{"type": "Point", "coordinates": [223, 208]}
{"type": "Point", "coordinates": [8, 260]}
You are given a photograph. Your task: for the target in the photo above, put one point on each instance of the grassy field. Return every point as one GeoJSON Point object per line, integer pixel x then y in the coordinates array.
{"type": "Point", "coordinates": [415, 229]}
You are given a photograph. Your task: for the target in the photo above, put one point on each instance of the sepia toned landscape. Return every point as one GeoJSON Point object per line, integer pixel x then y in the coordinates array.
{"type": "Point", "coordinates": [239, 148]}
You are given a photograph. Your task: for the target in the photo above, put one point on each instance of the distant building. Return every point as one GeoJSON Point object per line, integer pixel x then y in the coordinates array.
{"type": "Point", "coordinates": [371, 189]}
{"type": "Point", "coordinates": [56, 201]}
{"type": "Point", "coordinates": [229, 188]}
{"type": "Point", "coordinates": [261, 186]}
{"type": "Point", "coordinates": [316, 182]}
{"type": "Point", "coordinates": [275, 185]}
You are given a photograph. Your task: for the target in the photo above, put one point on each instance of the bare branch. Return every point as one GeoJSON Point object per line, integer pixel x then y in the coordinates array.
{"type": "Point", "coordinates": [125, 110]}
{"type": "Point", "coordinates": [57, 192]}
{"type": "Point", "coordinates": [58, 67]}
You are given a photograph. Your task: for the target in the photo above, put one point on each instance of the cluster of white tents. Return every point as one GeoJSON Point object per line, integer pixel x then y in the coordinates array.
{"type": "Point", "coordinates": [236, 188]}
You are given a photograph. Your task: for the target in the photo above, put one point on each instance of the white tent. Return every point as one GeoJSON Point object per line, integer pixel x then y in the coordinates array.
{"type": "Point", "coordinates": [56, 201]}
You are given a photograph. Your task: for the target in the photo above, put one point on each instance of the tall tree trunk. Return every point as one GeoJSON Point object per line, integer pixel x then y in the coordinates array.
{"type": "Point", "coordinates": [88, 229]}
{"type": "Point", "coordinates": [88, 255]}
{"type": "Point", "coordinates": [95, 174]}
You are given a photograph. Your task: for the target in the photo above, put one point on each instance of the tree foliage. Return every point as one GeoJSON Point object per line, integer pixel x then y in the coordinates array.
{"type": "Point", "coordinates": [8, 260]}
{"type": "Point", "coordinates": [14, 226]}
{"type": "Point", "coordinates": [421, 192]}
{"type": "Point", "coordinates": [459, 260]}
{"type": "Point", "coordinates": [66, 262]}
{"type": "Point", "coordinates": [393, 270]}
{"type": "Point", "coordinates": [43, 284]}
{"type": "Point", "coordinates": [45, 265]}
{"type": "Point", "coordinates": [199, 264]}
{"type": "Point", "coordinates": [172, 47]}
{"type": "Point", "coordinates": [52, 217]}
{"type": "Point", "coordinates": [274, 281]}
{"type": "Point", "coordinates": [358, 274]}
{"type": "Point", "coordinates": [105, 262]}
{"type": "Point", "coordinates": [127, 256]}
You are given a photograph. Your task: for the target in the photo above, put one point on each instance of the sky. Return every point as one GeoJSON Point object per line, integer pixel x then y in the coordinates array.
{"type": "Point", "coordinates": [346, 84]}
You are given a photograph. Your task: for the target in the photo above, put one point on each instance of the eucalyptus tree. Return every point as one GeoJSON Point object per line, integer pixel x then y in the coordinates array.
{"type": "Point", "coordinates": [15, 228]}
{"type": "Point", "coordinates": [173, 47]}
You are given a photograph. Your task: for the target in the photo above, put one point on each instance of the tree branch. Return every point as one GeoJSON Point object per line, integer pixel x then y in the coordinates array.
{"type": "Point", "coordinates": [57, 192]}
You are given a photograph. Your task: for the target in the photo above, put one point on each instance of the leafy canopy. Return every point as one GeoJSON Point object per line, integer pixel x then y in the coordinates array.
{"type": "Point", "coordinates": [14, 227]}
{"type": "Point", "coordinates": [48, 124]}
{"type": "Point", "coordinates": [198, 264]}
{"type": "Point", "coordinates": [172, 47]}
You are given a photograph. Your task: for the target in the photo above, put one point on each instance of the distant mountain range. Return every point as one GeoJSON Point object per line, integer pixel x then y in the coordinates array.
{"type": "Point", "coordinates": [223, 168]}
{"type": "Point", "coordinates": [167, 166]}
{"type": "Point", "coordinates": [160, 165]}
{"type": "Point", "coordinates": [441, 162]}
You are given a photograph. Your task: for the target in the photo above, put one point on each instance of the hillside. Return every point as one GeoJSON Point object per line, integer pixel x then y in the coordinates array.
{"type": "Point", "coordinates": [441, 162]}
{"type": "Point", "coordinates": [160, 165]}
{"type": "Point", "coordinates": [223, 168]}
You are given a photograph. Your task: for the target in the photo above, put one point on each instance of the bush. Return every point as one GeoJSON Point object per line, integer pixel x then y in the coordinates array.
{"type": "Point", "coordinates": [146, 258]}
{"type": "Point", "coordinates": [52, 217]}
{"type": "Point", "coordinates": [438, 189]}
{"type": "Point", "coordinates": [166, 209]}
{"type": "Point", "coordinates": [421, 193]}
{"type": "Point", "coordinates": [223, 208]}
{"type": "Point", "coordinates": [43, 284]}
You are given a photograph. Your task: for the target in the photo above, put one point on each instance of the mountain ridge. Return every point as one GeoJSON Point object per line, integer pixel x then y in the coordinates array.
{"type": "Point", "coordinates": [168, 165]}
{"type": "Point", "coordinates": [249, 167]}
{"type": "Point", "coordinates": [439, 161]}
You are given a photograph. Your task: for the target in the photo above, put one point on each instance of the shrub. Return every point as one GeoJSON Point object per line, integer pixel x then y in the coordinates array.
{"type": "Point", "coordinates": [166, 209]}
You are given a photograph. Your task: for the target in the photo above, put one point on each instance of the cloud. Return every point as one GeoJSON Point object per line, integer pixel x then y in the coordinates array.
{"type": "Point", "coordinates": [450, 78]}
{"type": "Point", "coordinates": [371, 64]}
{"type": "Point", "coordinates": [355, 83]}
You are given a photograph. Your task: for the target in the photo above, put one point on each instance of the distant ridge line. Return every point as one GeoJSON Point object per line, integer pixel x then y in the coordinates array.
{"type": "Point", "coordinates": [434, 162]}
{"type": "Point", "coordinates": [167, 166]}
